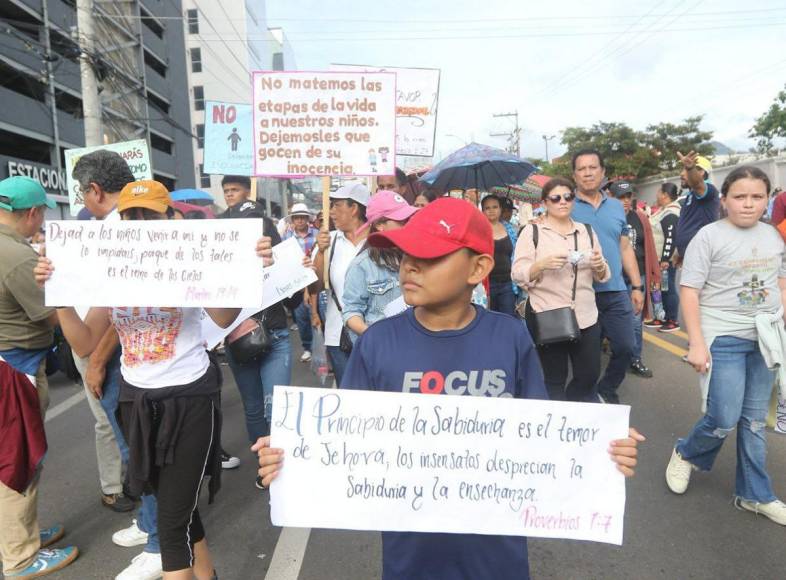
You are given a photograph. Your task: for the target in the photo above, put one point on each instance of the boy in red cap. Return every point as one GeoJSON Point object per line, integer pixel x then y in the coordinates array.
{"type": "Point", "coordinates": [446, 345]}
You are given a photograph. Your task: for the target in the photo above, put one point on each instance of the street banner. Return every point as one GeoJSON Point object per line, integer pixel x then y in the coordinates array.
{"type": "Point", "coordinates": [136, 154]}
{"type": "Point", "coordinates": [283, 278]}
{"type": "Point", "coordinates": [190, 263]}
{"type": "Point", "coordinates": [324, 123]}
{"type": "Point", "coordinates": [472, 465]}
{"type": "Point", "coordinates": [229, 147]}
{"type": "Point", "coordinates": [417, 95]}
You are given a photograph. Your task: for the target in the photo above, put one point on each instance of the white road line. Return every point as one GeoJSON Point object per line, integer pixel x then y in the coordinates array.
{"type": "Point", "coordinates": [288, 555]}
{"type": "Point", "coordinates": [62, 407]}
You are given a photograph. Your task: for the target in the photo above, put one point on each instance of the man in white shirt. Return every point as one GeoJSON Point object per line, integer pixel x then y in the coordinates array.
{"type": "Point", "coordinates": [348, 212]}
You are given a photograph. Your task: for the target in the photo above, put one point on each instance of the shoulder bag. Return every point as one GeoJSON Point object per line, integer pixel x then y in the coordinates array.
{"type": "Point", "coordinates": [559, 324]}
{"type": "Point", "coordinates": [249, 341]}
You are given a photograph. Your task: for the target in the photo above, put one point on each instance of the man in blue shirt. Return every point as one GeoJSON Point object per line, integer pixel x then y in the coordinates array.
{"type": "Point", "coordinates": [615, 306]}
{"type": "Point", "coordinates": [702, 204]}
{"type": "Point", "coordinates": [445, 345]}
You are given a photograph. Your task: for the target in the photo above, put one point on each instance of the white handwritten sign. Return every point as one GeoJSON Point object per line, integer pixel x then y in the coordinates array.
{"type": "Point", "coordinates": [210, 263]}
{"type": "Point", "coordinates": [417, 95]}
{"type": "Point", "coordinates": [324, 123]}
{"type": "Point", "coordinates": [476, 465]}
{"type": "Point", "coordinates": [136, 154]}
{"type": "Point", "coordinates": [282, 279]}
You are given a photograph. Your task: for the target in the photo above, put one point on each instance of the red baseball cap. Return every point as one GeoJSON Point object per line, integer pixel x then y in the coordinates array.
{"type": "Point", "coordinates": [439, 229]}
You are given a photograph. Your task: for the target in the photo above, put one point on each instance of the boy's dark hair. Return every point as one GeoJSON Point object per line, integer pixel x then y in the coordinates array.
{"type": "Point", "coordinates": [429, 194]}
{"type": "Point", "coordinates": [106, 168]}
{"type": "Point", "coordinates": [745, 172]}
{"type": "Point", "coordinates": [671, 190]}
{"type": "Point", "coordinates": [239, 179]}
{"type": "Point", "coordinates": [556, 182]}
{"type": "Point", "coordinates": [587, 151]}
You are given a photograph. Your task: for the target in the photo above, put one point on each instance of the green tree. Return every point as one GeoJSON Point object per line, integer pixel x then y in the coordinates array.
{"type": "Point", "coordinates": [620, 145]}
{"type": "Point", "coordinates": [633, 154]}
{"type": "Point", "coordinates": [664, 140]}
{"type": "Point", "coordinates": [771, 125]}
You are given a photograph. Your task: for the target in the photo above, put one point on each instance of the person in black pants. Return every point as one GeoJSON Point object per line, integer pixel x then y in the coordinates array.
{"type": "Point", "coordinates": [557, 262]}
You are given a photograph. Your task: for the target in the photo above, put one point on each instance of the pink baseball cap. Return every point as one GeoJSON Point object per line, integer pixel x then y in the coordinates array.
{"type": "Point", "coordinates": [387, 205]}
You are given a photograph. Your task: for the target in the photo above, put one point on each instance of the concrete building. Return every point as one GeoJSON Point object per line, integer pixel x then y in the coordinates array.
{"type": "Point", "coordinates": [140, 60]}
{"type": "Point", "coordinates": [224, 46]}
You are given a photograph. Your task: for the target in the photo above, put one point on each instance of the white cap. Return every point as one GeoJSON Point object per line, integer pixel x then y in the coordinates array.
{"type": "Point", "coordinates": [354, 191]}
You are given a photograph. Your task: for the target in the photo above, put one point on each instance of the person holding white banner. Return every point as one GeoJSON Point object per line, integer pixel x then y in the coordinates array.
{"type": "Point", "coordinates": [447, 345]}
{"type": "Point", "coordinates": [169, 398]}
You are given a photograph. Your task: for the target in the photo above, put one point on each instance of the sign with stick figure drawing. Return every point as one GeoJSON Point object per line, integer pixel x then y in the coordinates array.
{"type": "Point", "coordinates": [228, 139]}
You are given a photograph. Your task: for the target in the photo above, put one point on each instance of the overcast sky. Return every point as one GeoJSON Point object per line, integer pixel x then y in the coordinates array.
{"type": "Point", "coordinates": [560, 63]}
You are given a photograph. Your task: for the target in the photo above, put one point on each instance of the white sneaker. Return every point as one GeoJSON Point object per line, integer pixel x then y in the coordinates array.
{"type": "Point", "coordinates": [306, 356]}
{"type": "Point", "coordinates": [145, 566]}
{"type": "Point", "coordinates": [293, 328]}
{"type": "Point", "coordinates": [130, 536]}
{"type": "Point", "coordinates": [775, 510]}
{"type": "Point", "coordinates": [678, 473]}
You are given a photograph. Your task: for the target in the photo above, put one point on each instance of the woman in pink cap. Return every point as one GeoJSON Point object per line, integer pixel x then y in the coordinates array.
{"type": "Point", "coordinates": [372, 278]}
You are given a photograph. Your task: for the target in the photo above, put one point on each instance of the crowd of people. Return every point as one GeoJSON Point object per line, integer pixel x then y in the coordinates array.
{"type": "Point", "coordinates": [446, 284]}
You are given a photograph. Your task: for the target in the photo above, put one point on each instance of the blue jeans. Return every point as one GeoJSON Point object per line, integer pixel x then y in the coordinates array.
{"type": "Point", "coordinates": [615, 312]}
{"type": "Point", "coordinates": [109, 399]}
{"type": "Point", "coordinates": [739, 396]}
{"type": "Point", "coordinates": [302, 316]}
{"type": "Point", "coordinates": [256, 379]}
{"type": "Point", "coordinates": [671, 299]}
{"type": "Point", "coordinates": [502, 297]}
{"type": "Point", "coordinates": [147, 520]}
{"type": "Point", "coordinates": [338, 360]}
{"type": "Point", "coordinates": [638, 339]}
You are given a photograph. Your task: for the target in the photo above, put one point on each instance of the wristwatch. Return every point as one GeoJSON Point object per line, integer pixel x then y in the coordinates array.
{"type": "Point", "coordinates": [639, 288]}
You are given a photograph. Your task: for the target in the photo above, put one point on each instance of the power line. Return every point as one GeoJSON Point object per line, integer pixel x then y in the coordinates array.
{"type": "Point", "coordinates": [692, 29]}
{"type": "Point", "coordinates": [559, 19]}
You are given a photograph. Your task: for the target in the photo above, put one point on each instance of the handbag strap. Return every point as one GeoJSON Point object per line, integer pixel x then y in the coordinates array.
{"type": "Point", "coordinates": [575, 268]}
{"type": "Point", "coordinates": [330, 263]}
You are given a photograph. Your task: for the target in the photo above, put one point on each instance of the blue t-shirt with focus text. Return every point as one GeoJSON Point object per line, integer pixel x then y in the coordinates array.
{"type": "Point", "coordinates": [493, 356]}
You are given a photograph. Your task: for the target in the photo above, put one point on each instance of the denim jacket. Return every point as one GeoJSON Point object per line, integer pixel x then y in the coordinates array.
{"type": "Point", "coordinates": [368, 289]}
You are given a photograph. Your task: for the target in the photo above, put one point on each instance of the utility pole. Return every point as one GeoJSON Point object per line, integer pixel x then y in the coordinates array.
{"type": "Point", "coordinates": [513, 136]}
{"type": "Point", "coordinates": [91, 106]}
{"type": "Point", "coordinates": [50, 82]}
{"type": "Point", "coordinates": [546, 140]}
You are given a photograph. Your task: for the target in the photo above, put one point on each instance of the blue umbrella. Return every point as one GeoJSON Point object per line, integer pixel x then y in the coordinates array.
{"type": "Point", "coordinates": [479, 167]}
{"type": "Point", "coordinates": [187, 195]}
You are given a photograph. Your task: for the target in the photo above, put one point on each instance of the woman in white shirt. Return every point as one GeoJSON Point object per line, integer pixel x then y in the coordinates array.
{"type": "Point", "coordinates": [169, 397]}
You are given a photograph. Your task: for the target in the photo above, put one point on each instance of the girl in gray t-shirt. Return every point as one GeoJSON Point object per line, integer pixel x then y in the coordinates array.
{"type": "Point", "coordinates": [732, 287]}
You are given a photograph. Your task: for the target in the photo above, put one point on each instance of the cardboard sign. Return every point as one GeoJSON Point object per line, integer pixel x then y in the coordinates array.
{"type": "Point", "coordinates": [229, 147]}
{"type": "Point", "coordinates": [283, 278]}
{"type": "Point", "coordinates": [324, 123]}
{"type": "Point", "coordinates": [439, 463]}
{"type": "Point", "coordinates": [210, 263]}
{"type": "Point", "coordinates": [136, 154]}
{"type": "Point", "coordinates": [417, 94]}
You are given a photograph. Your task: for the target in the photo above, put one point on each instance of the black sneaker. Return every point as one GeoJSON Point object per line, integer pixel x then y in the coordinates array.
{"type": "Point", "coordinates": [229, 461]}
{"type": "Point", "coordinates": [259, 483]}
{"type": "Point", "coordinates": [117, 502]}
{"type": "Point", "coordinates": [639, 368]}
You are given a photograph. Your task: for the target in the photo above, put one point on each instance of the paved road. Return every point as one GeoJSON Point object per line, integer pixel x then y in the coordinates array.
{"type": "Point", "coordinates": [699, 535]}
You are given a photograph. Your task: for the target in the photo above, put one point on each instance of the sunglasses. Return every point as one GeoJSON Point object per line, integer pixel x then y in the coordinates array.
{"type": "Point", "coordinates": [568, 197]}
